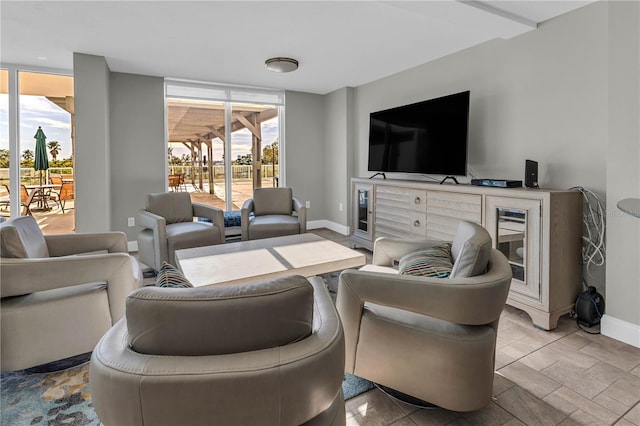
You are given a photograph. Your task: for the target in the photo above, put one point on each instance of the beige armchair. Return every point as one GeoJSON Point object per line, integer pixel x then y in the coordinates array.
{"type": "Point", "coordinates": [59, 293]}
{"type": "Point", "coordinates": [430, 338]}
{"type": "Point", "coordinates": [263, 354]}
{"type": "Point", "coordinates": [167, 225]}
{"type": "Point", "coordinates": [273, 214]}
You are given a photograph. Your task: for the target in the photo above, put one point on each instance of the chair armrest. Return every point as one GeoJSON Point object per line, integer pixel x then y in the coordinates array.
{"type": "Point", "coordinates": [386, 250]}
{"type": "Point", "coordinates": [68, 244]}
{"type": "Point", "coordinates": [247, 208]}
{"type": "Point", "coordinates": [158, 225]}
{"type": "Point", "coordinates": [300, 208]}
{"type": "Point", "coordinates": [471, 301]}
{"type": "Point", "coordinates": [118, 270]}
{"type": "Point", "coordinates": [214, 213]}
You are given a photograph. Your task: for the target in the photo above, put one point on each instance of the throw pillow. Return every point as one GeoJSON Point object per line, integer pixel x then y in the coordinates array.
{"type": "Point", "coordinates": [431, 262]}
{"type": "Point", "coordinates": [170, 276]}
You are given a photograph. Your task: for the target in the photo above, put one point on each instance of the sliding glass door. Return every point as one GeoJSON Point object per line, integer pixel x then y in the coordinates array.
{"type": "Point", "coordinates": [226, 140]}
{"type": "Point", "coordinates": [31, 176]}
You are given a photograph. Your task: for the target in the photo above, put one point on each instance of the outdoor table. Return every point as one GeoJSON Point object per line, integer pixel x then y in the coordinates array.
{"type": "Point", "coordinates": [41, 195]}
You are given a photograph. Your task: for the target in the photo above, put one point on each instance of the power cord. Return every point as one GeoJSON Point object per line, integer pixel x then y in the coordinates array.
{"type": "Point", "coordinates": [593, 242]}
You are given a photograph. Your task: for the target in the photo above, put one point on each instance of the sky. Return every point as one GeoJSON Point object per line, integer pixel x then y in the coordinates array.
{"type": "Point", "coordinates": [56, 123]}
{"type": "Point", "coordinates": [37, 111]}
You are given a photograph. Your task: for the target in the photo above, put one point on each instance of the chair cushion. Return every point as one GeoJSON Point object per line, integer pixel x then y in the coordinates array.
{"type": "Point", "coordinates": [273, 226]}
{"type": "Point", "coordinates": [220, 319]}
{"type": "Point", "coordinates": [434, 261]}
{"type": "Point", "coordinates": [22, 238]}
{"type": "Point", "coordinates": [170, 276]}
{"type": "Point", "coordinates": [182, 235]}
{"type": "Point", "coordinates": [173, 206]}
{"type": "Point", "coordinates": [272, 201]}
{"type": "Point", "coordinates": [470, 250]}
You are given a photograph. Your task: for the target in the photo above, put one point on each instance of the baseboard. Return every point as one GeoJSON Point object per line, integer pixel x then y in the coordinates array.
{"type": "Point", "coordinates": [620, 330]}
{"type": "Point", "coordinates": [132, 246]}
{"type": "Point", "coordinates": [336, 227]}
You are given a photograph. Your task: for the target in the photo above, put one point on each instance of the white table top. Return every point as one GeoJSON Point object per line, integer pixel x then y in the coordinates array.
{"type": "Point", "coordinates": [261, 260]}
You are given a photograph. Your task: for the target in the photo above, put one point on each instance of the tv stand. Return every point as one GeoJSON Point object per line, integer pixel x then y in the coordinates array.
{"type": "Point", "coordinates": [379, 173]}
{"type": "Point", "coordinates": [538, 231]}
{"type": "Point", "coordinates": [453, 178]}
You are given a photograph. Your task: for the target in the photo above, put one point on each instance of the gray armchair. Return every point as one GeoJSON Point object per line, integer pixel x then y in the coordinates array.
{"type": "Point", "coordinates": [59, 293]}
{"type": "Point", "coordinates": [273, 214]}
{"type": "Point", "coordinates": [167, 225]}
{"type": "Point", "coordinates": [264, 354]}
{"type": "Point", "coordinates": [431, 338]}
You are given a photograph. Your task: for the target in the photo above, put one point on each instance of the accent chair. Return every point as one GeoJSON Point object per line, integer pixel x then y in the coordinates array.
{"type": "Point", "coordinates": [263, 354]}
{"type": "Point", "coordinates": [59, 293]}
{"type": "Point", "coordinates": [431, 338]}
{"type": "Point", "coordinates": [273, 214]}
{"type": "Point", "coordinates": [167, 225]}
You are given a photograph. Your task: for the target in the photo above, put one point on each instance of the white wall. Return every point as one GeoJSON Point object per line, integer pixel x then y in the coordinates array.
{"type": "Point", "coordinates": [622, 319]}
{"type": "Point", "coordinates": [92, 144]}
{"type": "Point", "coordinates": [304, 150]}
{"type": "Point", "coordinates": [338, 153]}
{"type": "Point", "coordinates": [138, 149]}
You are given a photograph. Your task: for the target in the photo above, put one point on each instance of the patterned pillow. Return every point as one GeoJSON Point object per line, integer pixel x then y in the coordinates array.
{"type": "Point", "coordinates": [170, 276]}
{"type": "Point", "coordinates": [431, 262]}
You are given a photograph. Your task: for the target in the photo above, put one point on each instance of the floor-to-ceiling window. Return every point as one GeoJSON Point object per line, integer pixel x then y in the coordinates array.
{"type": "Point", "coordinates": [223, 141]}
{"type": "Point", "coordinates": [37, 108]}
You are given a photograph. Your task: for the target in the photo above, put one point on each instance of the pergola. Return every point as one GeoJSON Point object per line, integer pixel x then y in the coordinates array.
{"type": "Point", "coordinates": [196, 123]}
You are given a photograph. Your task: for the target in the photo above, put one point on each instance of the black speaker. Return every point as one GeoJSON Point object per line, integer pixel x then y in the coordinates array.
{"type": "Point", "coordinates": [531, 174]}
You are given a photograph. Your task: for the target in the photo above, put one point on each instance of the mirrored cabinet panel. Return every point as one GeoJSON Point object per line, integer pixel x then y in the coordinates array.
{"type": "Point", "coordinates": [514, 225]}
{"type": "Point", "coordinates": [512, 229]}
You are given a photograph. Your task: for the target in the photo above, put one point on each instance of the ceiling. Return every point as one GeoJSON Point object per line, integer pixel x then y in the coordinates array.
{"type": "Point", "coordinates": [338, 43]}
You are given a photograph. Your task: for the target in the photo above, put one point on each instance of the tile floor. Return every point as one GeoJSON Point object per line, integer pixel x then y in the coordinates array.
{"type": "Point", "coordinates": [560, 377]}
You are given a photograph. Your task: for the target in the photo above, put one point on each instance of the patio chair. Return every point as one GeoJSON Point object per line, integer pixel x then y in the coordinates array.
{"type": "Point", "coordinates": [26, 198]}
{"type": "Point", "coordinates": [66, 193]}
{"type": "Point", "coordinates": [174, 182]}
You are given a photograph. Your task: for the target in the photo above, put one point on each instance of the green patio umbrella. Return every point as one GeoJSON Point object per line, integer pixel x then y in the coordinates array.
{"type": "Point", "coordinates": [41, 159]}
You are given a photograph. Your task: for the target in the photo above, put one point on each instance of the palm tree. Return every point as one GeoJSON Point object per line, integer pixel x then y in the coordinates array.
{"type": "Point", "coordinates": [27, 158]}
{"type": "Point", "coordinates": [54, 149]}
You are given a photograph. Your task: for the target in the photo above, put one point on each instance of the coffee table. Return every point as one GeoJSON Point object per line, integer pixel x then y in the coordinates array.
{"type": "Point", "coordinates": [255, 261]}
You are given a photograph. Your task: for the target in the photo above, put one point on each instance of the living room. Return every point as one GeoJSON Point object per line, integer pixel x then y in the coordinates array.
{"type": "Point", "coordinates": [565, 94]}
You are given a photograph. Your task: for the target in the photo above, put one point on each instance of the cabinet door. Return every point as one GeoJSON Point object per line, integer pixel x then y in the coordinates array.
{"type": "Point", "coordinates": [514, 225]}
{"type": "Point", "coordinates": [363, 211]}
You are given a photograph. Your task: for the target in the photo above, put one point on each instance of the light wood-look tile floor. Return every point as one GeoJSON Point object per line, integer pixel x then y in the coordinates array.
{"type": "Point", "coordinates": [560, 377]}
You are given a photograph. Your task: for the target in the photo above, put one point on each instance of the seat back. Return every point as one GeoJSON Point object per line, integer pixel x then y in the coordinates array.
{"type": "Point", "coordinates": [173, 206]}
{"type": "Point", "coordinates": [55, 179]}
{"type": "Point", "coordinates": [66, 191]}
{"type": "Point", "coordinates": [219, 320]}
{"type": "Point", "coordinates": [24, 194]}
{"type": "Point", "coordinates": [267, 201]}
{"type": "Point", "coordinates": [21, 237]}
{"type": "Point", "coordinates": [470, 250]}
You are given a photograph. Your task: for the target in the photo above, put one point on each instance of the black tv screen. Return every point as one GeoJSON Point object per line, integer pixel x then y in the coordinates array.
{"type": "Point", "coordinates": [428, 137]}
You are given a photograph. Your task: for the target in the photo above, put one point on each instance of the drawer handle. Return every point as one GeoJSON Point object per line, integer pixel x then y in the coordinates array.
{"type": "Point", "coordinates": [416, 223]}
{"type": "Point", "coordinates": [417, 200]}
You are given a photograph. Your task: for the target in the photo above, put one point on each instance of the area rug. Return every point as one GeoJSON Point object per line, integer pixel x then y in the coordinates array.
{"type": "Point", "coordinates": [58, 394]}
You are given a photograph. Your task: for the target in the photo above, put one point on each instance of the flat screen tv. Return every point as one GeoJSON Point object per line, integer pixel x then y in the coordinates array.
{"type": "Point", "coordinates": [428, 137]}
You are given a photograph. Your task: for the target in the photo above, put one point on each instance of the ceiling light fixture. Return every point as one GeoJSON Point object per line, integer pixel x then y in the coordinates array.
{"type": "Point", "coordinates": [281, 64]}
